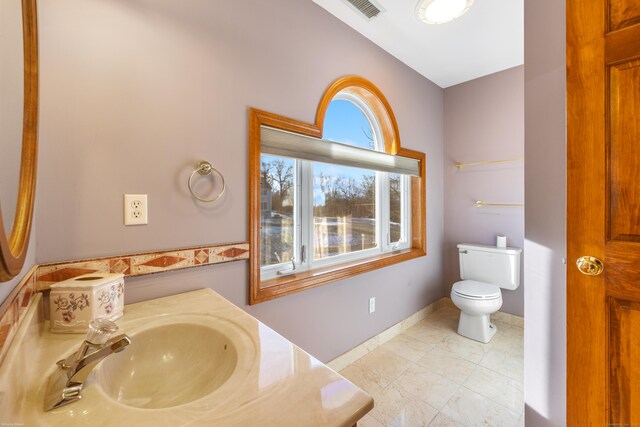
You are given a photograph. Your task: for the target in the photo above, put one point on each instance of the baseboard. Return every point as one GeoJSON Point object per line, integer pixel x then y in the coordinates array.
{"type": "Point", "coordinates": [344, 360]}
{"type": "Point", "coordinates": [509, 319]}
{"type": "Point", "coordinates": [341, 362]}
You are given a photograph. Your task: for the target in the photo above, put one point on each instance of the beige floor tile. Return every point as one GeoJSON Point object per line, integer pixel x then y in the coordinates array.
{"type": "Point", "coordinates": [430, 366]}
{"type": "Point", "coordinates": [369, 421]}
{"type": "Point", "coordinates": [510, 330]}
{"type": "Point", "coordinates": [466, 348]}
{"type": "Point", "coordinates": [445, 318]}
{"type": "Point", "coordinates": [517, 321]}
{"type": "Point", "coordinates": [427, 386]}
{"type": "Point", "coordinates": [383, 366]}
{"type": "Point", "coordinates": [508, 319]}
{"type": "Point", "coordinates": [505, 363]}
{"type": "Point", "coordinates": [499, 388]}
{"type": "Point", "coordinates": [408, 347]}
{"type": "Point", "coordinates": [363, 379]}
{"type": "Point", "coordinates": [427, 332]}
{"type": "Point", "coordinates": [500, 317]}
{"type": "Point", "coordinates": [348, 358]}
{"type": "Point", "coordinates": [472, 409]}
{"type": "Point", "coordinates": [448, 364]}
{"type": "Point", "coordinates": [397, 408]}
{"type": "Point", "coordinates": [441, 420]}
{"type": "Point", "coordinates": [508, 343]}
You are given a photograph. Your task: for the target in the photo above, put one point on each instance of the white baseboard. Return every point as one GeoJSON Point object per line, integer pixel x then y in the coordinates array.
{"type": "Point", "coordinates": [346, 359]}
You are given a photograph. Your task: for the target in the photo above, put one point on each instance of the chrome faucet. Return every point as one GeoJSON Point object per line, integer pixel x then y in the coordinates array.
{"type": "Point", "coordinates": [65, 384]}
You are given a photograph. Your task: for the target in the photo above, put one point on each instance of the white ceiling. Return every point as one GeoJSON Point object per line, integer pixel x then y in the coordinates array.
{"type": "Point", "coordinates": [487, 39]}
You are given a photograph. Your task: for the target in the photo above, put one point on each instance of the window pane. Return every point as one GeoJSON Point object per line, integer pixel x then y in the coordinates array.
{"type": "Point", "coordinates": [344, 210]}
{"type": "Point", "coordinates": [277, 213]}
{"type": "Point", "coordinates": [395, 207]}
{"type": "Point", "coordinates": [346, 123]}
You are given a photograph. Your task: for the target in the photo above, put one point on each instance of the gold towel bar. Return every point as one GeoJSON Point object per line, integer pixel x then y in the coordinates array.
{"type": "Point", "coordinates": [480, 204]}
{"type": "Point", "coordinates": [462, 165]}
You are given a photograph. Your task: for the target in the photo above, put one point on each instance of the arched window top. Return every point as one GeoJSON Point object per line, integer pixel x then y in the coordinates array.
{"type": "Point", "coordinates": [349, 121]}
{"type": "Point", "coordinates": [365, 96]}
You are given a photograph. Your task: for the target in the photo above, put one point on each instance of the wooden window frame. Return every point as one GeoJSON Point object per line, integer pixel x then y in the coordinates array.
{"type": "Point", "coordinates": [261, 291]}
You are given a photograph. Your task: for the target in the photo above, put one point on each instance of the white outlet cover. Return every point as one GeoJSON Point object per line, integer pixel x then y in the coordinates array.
{"type": "Point", "coordinates": [135, 209]}
{"type": "Point", "coordinates": [372, 305]}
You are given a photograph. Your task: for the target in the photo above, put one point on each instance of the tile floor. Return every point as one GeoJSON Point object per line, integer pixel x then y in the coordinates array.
{"type": "Point", "coordinates": [431, 376]}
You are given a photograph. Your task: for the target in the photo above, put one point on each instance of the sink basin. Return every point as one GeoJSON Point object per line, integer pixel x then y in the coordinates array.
{"type": "Point", "coordinates": [171, 364]}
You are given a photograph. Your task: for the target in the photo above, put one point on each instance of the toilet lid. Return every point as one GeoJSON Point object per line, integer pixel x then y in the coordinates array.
{"type": "Point", "coordinates": [476, 290]}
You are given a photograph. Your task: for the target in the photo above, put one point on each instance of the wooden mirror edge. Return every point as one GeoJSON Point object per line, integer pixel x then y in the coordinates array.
{"type": "Point", "coordinates": [13, 248]}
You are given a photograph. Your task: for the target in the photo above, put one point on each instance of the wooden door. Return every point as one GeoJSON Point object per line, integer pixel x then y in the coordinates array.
{"type": "Point", "coordinates": [603, 218]}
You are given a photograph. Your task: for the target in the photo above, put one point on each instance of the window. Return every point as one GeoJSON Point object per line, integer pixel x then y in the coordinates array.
{"type": "Point", "coordinates": [277, 210]}
{"type": "Point", "coordinates": [335, 199]}
{"type": "Point", "coordinates": [318, 214]}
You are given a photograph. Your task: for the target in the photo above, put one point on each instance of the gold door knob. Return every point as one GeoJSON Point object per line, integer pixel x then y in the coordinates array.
{"type": "Point", "coordinates": [589, 265]}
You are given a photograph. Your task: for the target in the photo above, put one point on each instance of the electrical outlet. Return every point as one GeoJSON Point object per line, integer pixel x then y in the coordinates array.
{"type": "Point", "coordinates": [135, 209]}
{"type": "Point", "coordinates": [372, 304]}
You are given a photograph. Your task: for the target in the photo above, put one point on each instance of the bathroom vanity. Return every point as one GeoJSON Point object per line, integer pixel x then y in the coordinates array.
{"type": "Point", "coordinates": [194, 359]}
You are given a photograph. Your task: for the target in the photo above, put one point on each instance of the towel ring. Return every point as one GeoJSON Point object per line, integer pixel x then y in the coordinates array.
{"type": "Point", "coordinates": [204, 168]}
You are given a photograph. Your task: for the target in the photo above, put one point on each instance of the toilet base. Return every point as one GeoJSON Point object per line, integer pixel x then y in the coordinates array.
{"type": "Point", "coordinates": [478, 327]}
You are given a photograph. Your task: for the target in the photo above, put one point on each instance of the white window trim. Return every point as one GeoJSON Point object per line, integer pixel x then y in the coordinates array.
{"type": "Point", "coordinates": [303, 212]}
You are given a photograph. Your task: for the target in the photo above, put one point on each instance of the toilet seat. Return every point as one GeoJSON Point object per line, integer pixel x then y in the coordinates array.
{"type": "Point", "coordinates": [470, 289]}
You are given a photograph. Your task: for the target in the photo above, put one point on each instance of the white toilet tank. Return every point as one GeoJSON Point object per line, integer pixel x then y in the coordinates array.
{"type": "Point", "coordinates": [489, 264]}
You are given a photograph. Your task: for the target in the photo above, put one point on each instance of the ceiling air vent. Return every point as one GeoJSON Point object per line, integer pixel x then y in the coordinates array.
{"type": "Point", "coordinates": [367, 8]}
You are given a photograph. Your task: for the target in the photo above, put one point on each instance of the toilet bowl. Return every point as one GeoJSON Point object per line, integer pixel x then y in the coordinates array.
{"type": "Point", "coordinates": [485, 270]}
{"type": "Point", "coordinates": [476, 301]}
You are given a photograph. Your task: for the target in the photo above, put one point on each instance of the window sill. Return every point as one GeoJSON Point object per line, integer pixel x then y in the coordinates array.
{"type": "Point", "coordinates": [281, 286]}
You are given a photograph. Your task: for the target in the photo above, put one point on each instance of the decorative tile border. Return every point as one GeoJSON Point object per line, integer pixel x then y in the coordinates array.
{"type": "Point", "coordinates": [141, 264]}
{"type": "Point", "coordinates": [40, 277]}
{"type": "Point", "coordinates": [13, 309]}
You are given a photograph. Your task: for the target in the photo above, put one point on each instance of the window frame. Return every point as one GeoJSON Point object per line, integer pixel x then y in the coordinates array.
{"type": "Point", "coordinates": [372, 102]}
{"type": "Point", "coordinates": [304, 206]}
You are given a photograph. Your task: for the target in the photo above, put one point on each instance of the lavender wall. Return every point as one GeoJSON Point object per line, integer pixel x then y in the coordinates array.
{"type": "Point", "coordinates": [484, 120]}
{"type": "Point", "coordinates": [545, 247]}
{"type": "Point", "coordinates": [135, 91]}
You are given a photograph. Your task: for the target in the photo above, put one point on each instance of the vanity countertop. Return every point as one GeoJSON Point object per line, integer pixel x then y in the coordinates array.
{"type": "Point", "coordinates": [281, 384]}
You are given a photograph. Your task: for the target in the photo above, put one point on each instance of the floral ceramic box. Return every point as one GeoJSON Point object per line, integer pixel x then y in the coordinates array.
{"type": "Point", "coordinates": [76, 302]}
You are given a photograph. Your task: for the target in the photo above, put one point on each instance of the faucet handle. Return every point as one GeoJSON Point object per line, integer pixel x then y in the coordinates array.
{"type": "Point", "coordinates": [100, 330]}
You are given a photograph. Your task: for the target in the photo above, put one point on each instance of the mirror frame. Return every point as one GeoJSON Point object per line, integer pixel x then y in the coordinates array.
{"type": "Point", "coordinates": [13, 248]}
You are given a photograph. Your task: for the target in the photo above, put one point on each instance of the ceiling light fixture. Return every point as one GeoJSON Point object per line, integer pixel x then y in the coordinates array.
{"type": "Point", "coordinates": [441, 11]}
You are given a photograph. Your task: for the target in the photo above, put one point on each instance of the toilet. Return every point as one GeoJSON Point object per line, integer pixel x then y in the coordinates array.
{"type": "Point", "coordinates": [484, 271]}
